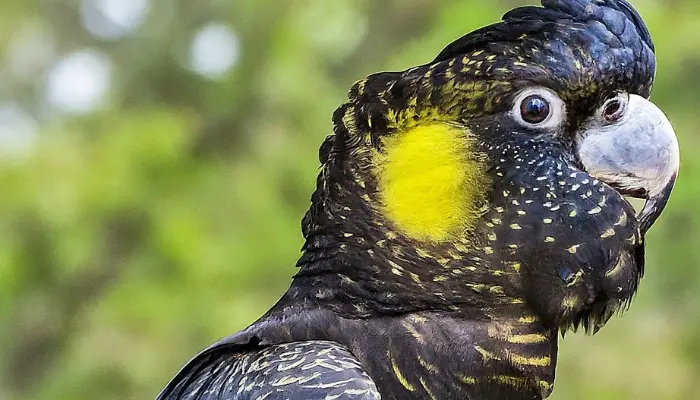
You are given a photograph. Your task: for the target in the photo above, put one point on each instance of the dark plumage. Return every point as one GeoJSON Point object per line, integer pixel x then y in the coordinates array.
{"type": "Point", "coordinates": [375, 311]}
{"type": "Point", "coordinates": [300, 370]}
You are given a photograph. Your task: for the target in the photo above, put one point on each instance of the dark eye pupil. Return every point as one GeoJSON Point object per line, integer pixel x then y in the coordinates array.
{"type": "Point", "coordinates": [613, 110]}
{"type": "Point", "coordinates": [534, 109]}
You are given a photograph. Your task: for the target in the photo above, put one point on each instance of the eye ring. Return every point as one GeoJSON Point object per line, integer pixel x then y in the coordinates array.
{"type": "Point", "coordinates": [538, 108]}
{"type": "Point", "coordinates": [614, 108]}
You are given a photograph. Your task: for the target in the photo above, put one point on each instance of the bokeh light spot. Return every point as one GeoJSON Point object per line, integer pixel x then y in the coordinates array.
{"type": "Point", "coordinates": [214, 51]}
{"type": "Point", "coordinates": [17, 130]}
{"type": "Point", "coordinates": [78, 83]}
{"type": "Point", "coordinates": [113, 19]}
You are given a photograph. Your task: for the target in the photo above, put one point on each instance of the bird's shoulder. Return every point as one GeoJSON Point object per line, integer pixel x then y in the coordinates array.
{"type": "Point", "coordinates": [308, 370]}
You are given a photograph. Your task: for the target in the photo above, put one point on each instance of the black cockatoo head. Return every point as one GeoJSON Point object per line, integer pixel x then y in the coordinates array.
{"type": "Point", "coordinates": [494, 175]}
{"type": "Point", "coordinates": [467, 211]}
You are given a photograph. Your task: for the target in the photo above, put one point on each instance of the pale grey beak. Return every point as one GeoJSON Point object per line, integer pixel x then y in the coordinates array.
{"type": "Point", "coordinates": [638, 155]}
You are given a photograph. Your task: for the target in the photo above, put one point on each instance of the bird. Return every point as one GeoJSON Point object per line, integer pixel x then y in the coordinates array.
{"type": "Point", "coordinates": [468, 212]}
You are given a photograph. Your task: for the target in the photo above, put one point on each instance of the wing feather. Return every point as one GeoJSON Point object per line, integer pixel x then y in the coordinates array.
{"type": "Point", "coordinates": [298, 370]}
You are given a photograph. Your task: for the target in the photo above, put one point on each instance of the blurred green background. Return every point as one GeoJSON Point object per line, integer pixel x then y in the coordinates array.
{"type": "Point", "coordinates": [156, 158]}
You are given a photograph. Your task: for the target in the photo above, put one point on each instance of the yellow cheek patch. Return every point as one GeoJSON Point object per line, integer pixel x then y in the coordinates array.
{"type": "Point", "coordinates": [431, 181]}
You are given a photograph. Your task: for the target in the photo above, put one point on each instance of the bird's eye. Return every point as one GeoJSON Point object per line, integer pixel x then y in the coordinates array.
{"type": "Point", "coordinates": [534, 109]}
{"type": "Point", "coordinates": [538, 108]}
{"type": "Point", "coordinates": [615, 107]}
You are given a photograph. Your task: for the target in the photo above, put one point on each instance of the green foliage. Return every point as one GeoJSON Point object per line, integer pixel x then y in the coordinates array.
{"type": "Point", "coordinates": [135, 235]}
